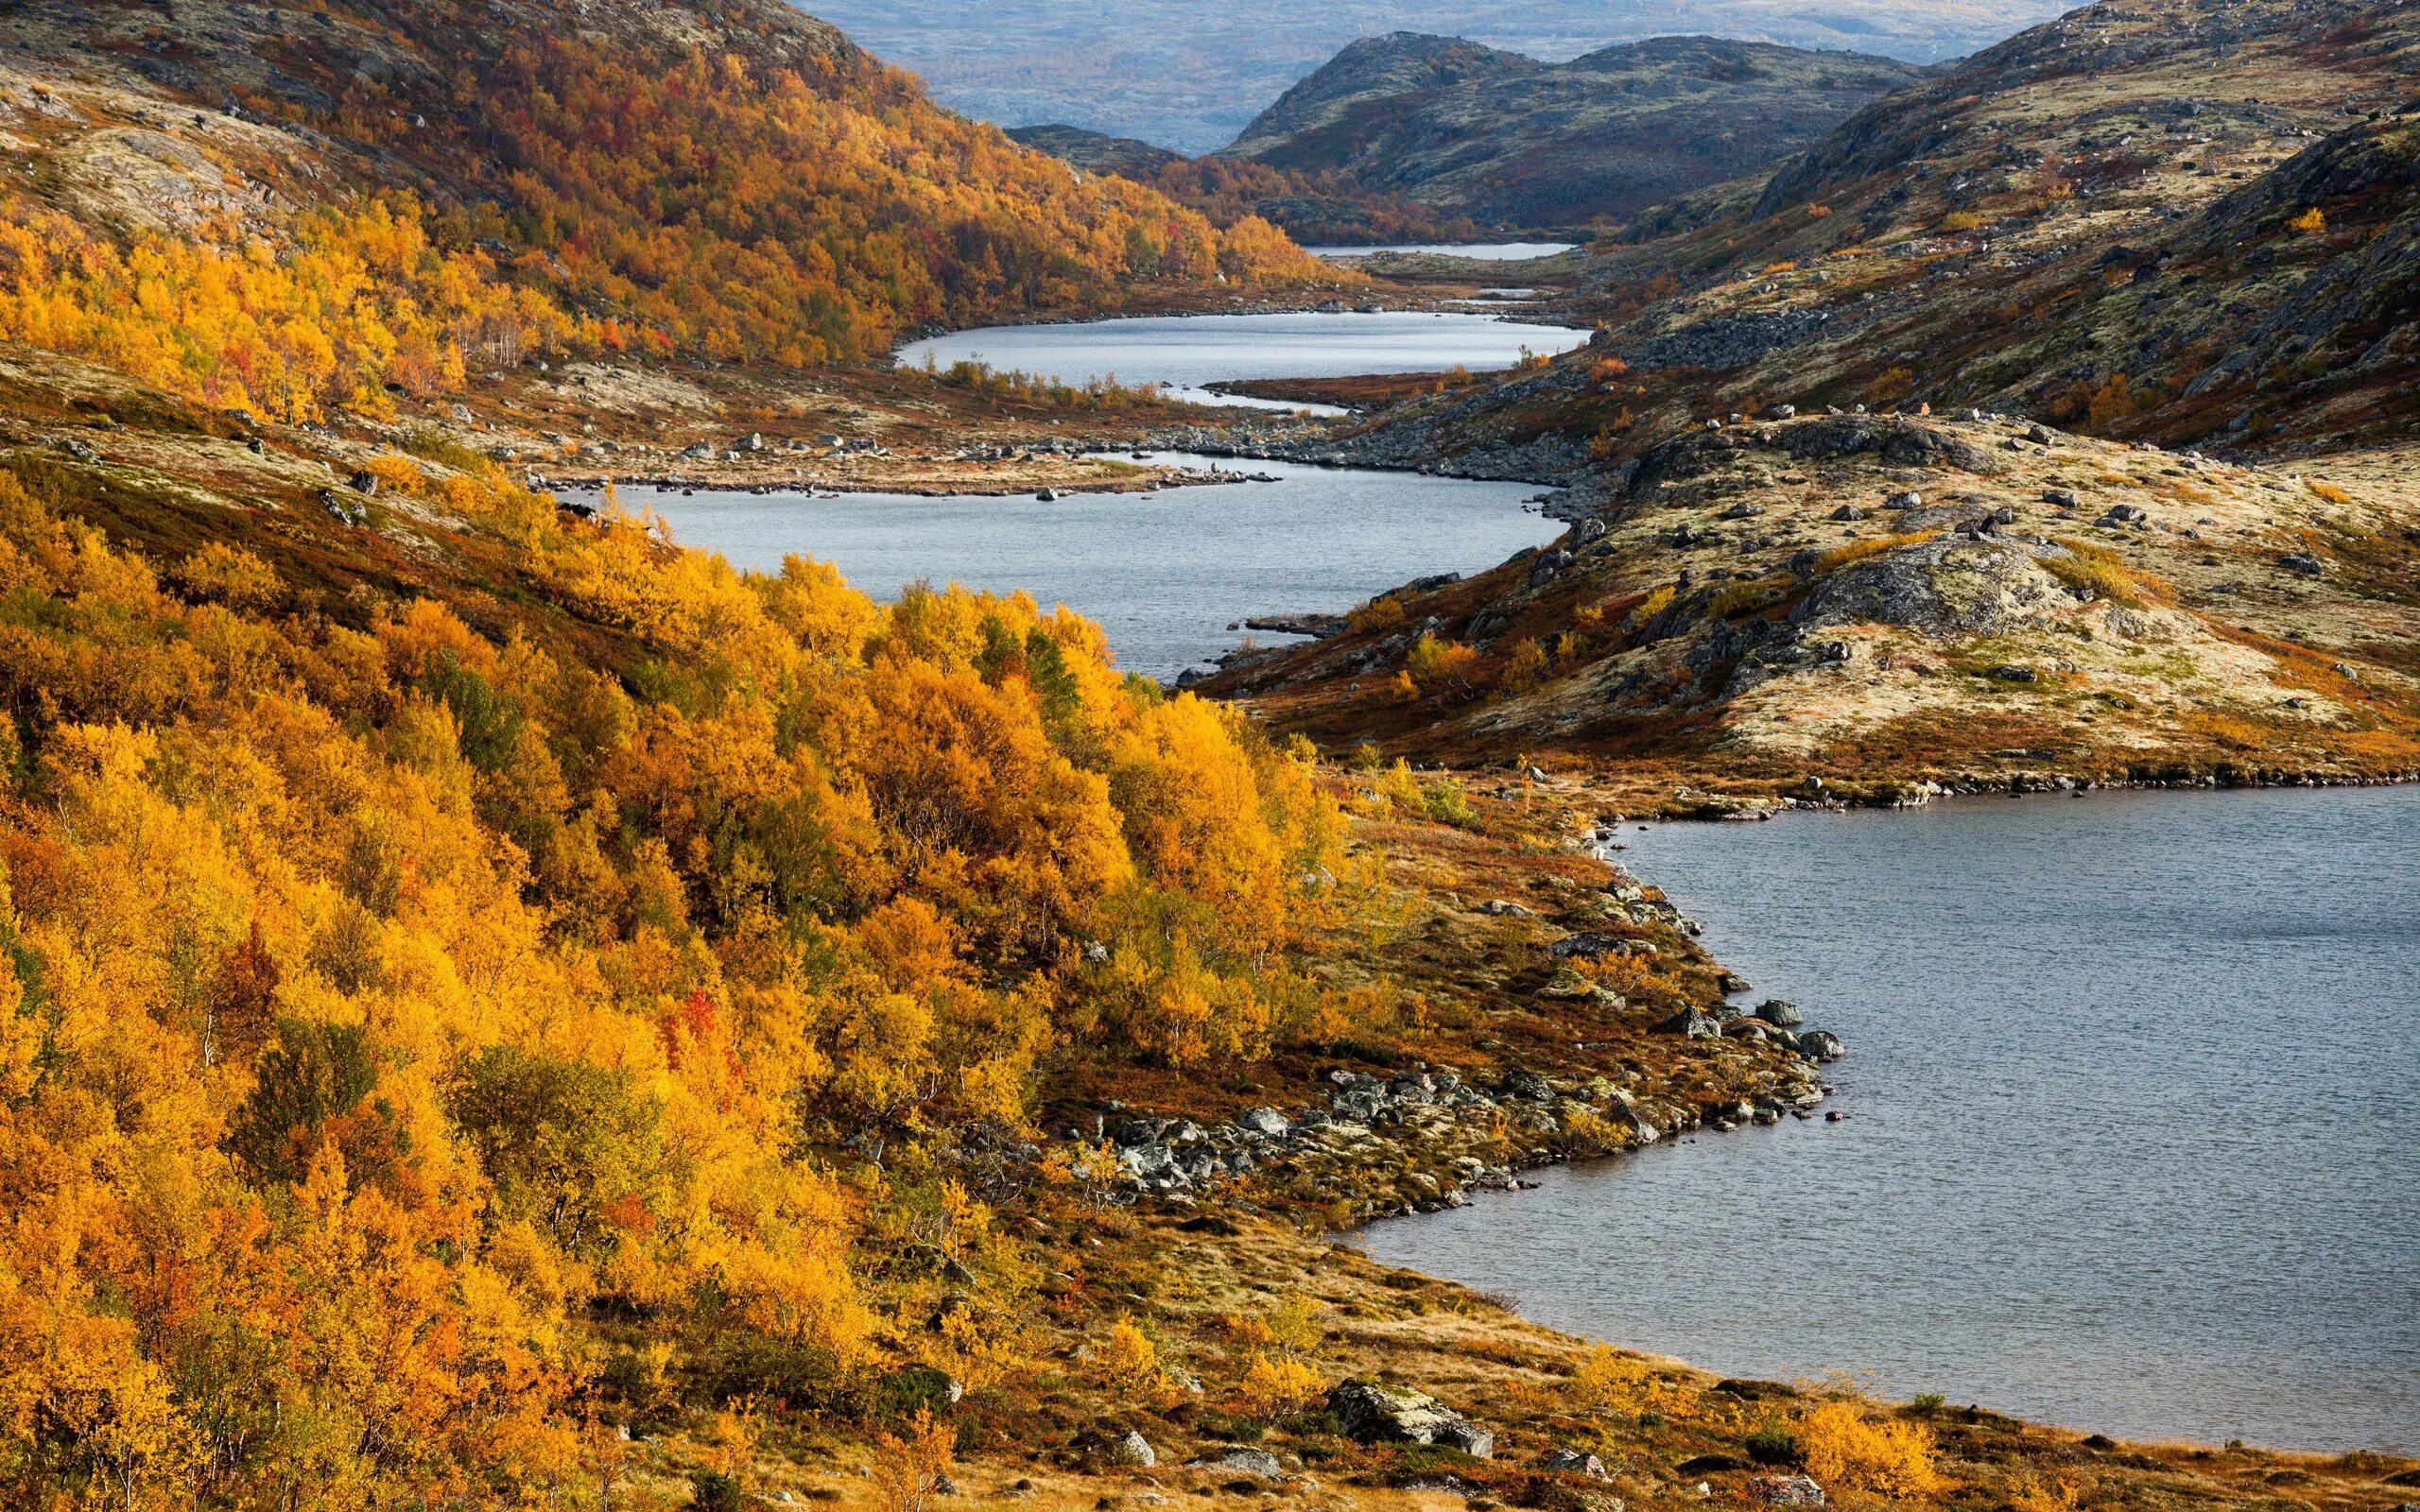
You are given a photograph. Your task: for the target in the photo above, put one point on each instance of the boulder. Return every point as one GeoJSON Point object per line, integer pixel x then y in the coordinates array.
{"type": "Point", "coordinates": [1588, 945]}
{"type": "Point", "coordinates": [1527, 1085]}
{"type": "Point", "coordinates": [1781, 1014]}
{"type": "Point", "coordinates": [1574, 1462]}
{"type": "Point", "coordinates": [1566, 983]}
{"type": "Point", "coordinates": [1133, 1449]}
{"type": "Point", "coordinates": [1822, 1045]}
{"type": "Point", "coordinates": [2062, 498]}
{"type": "Point", "coordinates": [1696, 1023]}
{"type": "Point", "coordinates": [2303, 564]}
{"type": "Point", "coordinates": [1784, 1490]}
{"type": "Point", "coordinates": [1373, 1413]}
{"type": "Point", "coordinates": [1265, 1121]}
{"type": "Point", "coordinates": [1254, 1462]}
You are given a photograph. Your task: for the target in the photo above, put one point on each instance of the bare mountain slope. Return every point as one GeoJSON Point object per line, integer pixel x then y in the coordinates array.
{"type": "Point", "coordinates": [1190, 76]}
{"type": "Point", "coordinates": [1512, 141]}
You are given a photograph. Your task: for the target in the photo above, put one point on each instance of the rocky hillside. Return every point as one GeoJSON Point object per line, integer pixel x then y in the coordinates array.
{"type": "Point", "coordinates": [1515, 142]}
{"type": "Point", "coordinates": [2168, 232]}
{"type": "Point", "coordinates": [1904, 597]}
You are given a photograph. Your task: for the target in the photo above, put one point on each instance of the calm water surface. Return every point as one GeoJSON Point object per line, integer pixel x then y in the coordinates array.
{"type": "Point", "coordinates": [1188, 352]}
{"type": "Point", "coordinates": [1477, 252]}
{"type": "Point", "coordinates": [2132, 1085]}
{"type": "Point", "coordinates": [1164, 573]}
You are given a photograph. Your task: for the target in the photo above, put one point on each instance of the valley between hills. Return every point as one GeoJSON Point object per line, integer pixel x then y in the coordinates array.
{"type": "Point", "coordinates": [508, 1011]}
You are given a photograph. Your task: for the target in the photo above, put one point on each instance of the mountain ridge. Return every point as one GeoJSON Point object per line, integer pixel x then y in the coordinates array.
{"type": "Point", "coordinates": [1515, 142]}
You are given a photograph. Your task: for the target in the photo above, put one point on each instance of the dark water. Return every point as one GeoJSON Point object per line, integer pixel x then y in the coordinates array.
{"type": "Point", "coordinates": [2131, 1082]}
{"type": "Point", "coordinates": [1186, 352]}
{"type": "Point", "coordinates": [1164, 573]}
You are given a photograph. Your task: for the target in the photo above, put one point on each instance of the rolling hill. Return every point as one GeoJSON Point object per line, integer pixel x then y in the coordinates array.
{"type": "Point", "coordinates": [1513, 142]}
{"type": "Point", "coordinates": [1190, 76]}
{"type": "Point", "coordinates": [2114, 325]}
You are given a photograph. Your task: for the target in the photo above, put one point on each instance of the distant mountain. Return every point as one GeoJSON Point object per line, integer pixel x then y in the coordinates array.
{"type": "Point", "coordinates": [1191, 76]}
{"type": "Point", "coordinates": [1316, 208]}
{"type": "Point", "coordinates": [1512, 141]}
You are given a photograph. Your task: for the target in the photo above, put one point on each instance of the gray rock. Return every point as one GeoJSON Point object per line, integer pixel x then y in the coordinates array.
{"type": "Point", "coordinates": [2063, 498]}
{"type": "Point", "coordinates": [1574, 1462]}
{"type": "Point", "coordinates": [1265, 1121]}
{"type": "Point", "coordinates": [1693, 1022]}
{"type": "Point", "coordinates": [1527, 1085]}
{"type": "Point", "coordinates": [1822, 1045]}
{"type": "Point", "coordinates": [1499, 908]}
{"type": "Point", "coordinates": [1254, 1462]}
{"type": "Point", "coordinates": [1588, 945]}
{"type": "Point", "coordinates": [2303, 564]}
{"type": "Point", "coordinates": [1133, 1449]}
{"type": "Point", "coordinates": [1909, 500]}
{"type": "Point", "coordinates": [1785, 1491]}
{"type": "Point", "coordinates": [1780, 1013]}
{"type": "Point", "coordinates": [1373, 1413]}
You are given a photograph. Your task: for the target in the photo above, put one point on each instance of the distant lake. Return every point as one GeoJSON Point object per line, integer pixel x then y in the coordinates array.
{"type": "Point", "coordinates": [1163, 573]}
{"type": "Point", "coordinates": [1477, 252]}
{"type": "Point", "coordinates": [2131, 1090]}
{"type": "Point", "coordinates": [1187, 353]}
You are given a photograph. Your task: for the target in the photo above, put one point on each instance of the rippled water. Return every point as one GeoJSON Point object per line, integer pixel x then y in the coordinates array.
{"type": "Point", "coordinates": [2131, 1147]}
{"type": "Point", "coordinates": [1187, 353]}
{"type": "Point", "coordinates": [1164, 573]}
{"type": "Point", "coordinates": [1478, 252]}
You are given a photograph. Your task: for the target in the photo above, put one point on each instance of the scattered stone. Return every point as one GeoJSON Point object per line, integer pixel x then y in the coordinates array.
{"type": "Point", "coordinates": [1695, 1023]}
{"type": "Point", "coordinates": [1373, 1413]}
{"type": "Point", "coordinates": [2063, 498]}
{"type": "Point", "coordinates": [1567, 984]}
{"type": "Point", "coordinates": [2303, 564]}
{"type": "Point", "coordinates": [1822, 1045]}
{"type": "Point", "coordinates": [1780, 1013]}
{"type": "Point", "coordinates": [1909, 500]}
{"type": "Point", "coordinates": [2016, 674]}
{"type": "Point", "coordinates": [1575, 1462]}
{"type": "Point", "coordinates": [1266, 1120]}
{"type": "Point", "coordinates": [363, 482]}
{"type": "Point", "coordinates": [1848, 511]}
{"type": "Point", "coordinates": [1258, 1463]}
{"type": "Point", "coordinates": [1499, 908]}
{"type": "Point", "coordinates": [1588, 946]}
{"type": "Point", "coordinates": [1785, 1491]}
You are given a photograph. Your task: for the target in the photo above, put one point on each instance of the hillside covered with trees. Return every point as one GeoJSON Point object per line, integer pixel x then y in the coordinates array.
{"type": "Point", "coordinates": [282, 210]}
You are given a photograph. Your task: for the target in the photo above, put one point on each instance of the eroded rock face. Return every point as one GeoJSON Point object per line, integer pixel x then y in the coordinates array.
{"type": "Point", "coordinates": [1966, 585]}
{"type": "Point", "coordinates": [1373, 1413]}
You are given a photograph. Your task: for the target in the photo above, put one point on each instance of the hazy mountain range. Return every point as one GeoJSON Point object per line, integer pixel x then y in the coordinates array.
{"type": "Point", "coordinates": [1189, 77]}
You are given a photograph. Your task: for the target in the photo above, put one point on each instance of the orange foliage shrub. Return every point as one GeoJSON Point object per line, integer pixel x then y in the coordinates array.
{"type": "Point", "coordinates": [443, 985]}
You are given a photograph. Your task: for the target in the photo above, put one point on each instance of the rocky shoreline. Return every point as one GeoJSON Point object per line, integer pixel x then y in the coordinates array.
{"type": "Point", "coordinates": [1363, 1145]}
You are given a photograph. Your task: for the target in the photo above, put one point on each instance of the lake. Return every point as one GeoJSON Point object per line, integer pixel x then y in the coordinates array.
{"type": "Point", "coordinates": [1477, 252]}
{"type": "Point", "coordinates": [1189, 353]}
{"type": "Point", "coordinates": [2129, 1086]}
{"type": "Point", "coordinates": [1163, 573]}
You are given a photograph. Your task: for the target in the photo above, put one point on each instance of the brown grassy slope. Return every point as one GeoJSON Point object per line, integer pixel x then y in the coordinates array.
{"type": "Point", "coordinates": [2249, 619]}
{"type": "Point", "coordinates": [2094, 223]}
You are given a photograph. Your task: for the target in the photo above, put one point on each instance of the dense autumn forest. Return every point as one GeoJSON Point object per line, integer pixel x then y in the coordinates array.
{"type": "Point", "coordinates": [769, 193]}
{"type": "Point", "coordinates": [388, 1003]}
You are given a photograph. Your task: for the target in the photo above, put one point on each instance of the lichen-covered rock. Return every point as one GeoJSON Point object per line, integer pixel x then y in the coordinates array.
{"type": "Point", "coordinates": [1373, 1413]}
{"type": "Point", "coordinates": [1974, 587]}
